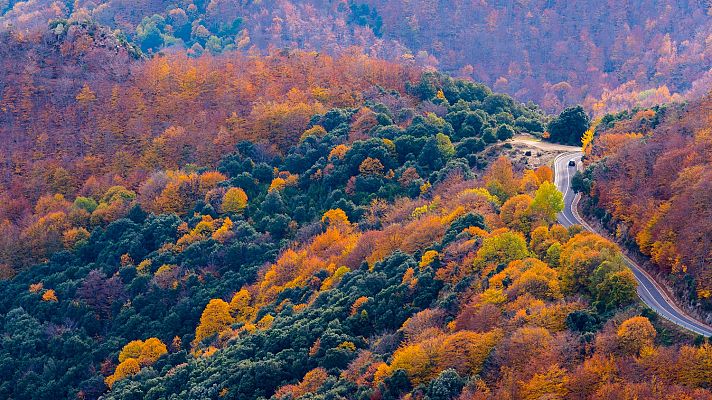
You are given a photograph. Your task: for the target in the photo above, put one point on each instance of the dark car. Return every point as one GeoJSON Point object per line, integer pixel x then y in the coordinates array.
{"type": "Point", "coordinates": [572, 163]}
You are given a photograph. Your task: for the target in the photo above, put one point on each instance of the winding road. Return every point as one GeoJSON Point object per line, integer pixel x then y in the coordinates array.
{"type": "Point", "coordinates": [652, 293]}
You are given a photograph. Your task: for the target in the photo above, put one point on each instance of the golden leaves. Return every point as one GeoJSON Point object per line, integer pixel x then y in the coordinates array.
{"type": "Point", "coordinates": [134, 355]}
{"type": "Point", "coordinates": [234, 200]}
{"type": "Point", "coordinates": [215, 319]}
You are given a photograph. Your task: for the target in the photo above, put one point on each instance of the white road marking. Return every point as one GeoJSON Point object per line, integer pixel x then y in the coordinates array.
{"type": "Point", "coordinates": [667, 308]}
{"type": "Point", "coordinates": [564, 182]}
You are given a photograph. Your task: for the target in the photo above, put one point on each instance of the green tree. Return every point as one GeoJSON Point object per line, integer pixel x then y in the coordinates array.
{"type": "Point", "coordinates": [445, 145]}
{"type": "Point", "coordinates": [569, 126]}
{"type": "Point", "coordinates": [497, 103]}
{"type": "Point", "coordinates": [85, 203]}
{"type": "Point", "coordinates": [446, 386]}
{"type": "Point", "coordinates": [580, 257]}
{"type": "Point", "coordinates": [148, 32]}
{"type": "Point", "coordinates": [505, 132]}
{"type": "Point", "coordinates": [548, 202]}
{"type": "Point", "coordinates": [214, 45]}
{"type": "Point", "coordinates": [616, 289]}
{"type": "Point", "coordinates": [501, 249]}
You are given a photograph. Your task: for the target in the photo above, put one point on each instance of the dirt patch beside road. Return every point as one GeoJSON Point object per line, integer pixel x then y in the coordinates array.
{"type": "Point", "coordinates": [527, 151]}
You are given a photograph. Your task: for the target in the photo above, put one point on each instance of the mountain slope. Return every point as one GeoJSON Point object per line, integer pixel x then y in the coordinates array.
{"type": "Point", "coordinates": [607, 55]}
{"type": "Point", "coordinates": [651, 179]}
{"type": "Point", "coordinates": [184, 215]}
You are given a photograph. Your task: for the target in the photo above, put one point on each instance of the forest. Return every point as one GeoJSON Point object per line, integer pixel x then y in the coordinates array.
{"type": "Point", "coordinates": [307, 200]}
{"type": "Point", "coordinates": [648, 180]}
{"type": "Point", "coordinates": [366, 251]}
{"type": "Point", "coordinates": [607, 55]}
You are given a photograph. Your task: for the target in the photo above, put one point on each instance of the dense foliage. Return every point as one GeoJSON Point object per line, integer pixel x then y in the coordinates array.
{"type": "Point", "coordinates": [240, 222]}
{"type": "Point", "coordinates": [443, 300]}
{"type": "Point", "coordinates": [607, 55]}
{"type": "Point", "coordinates": [649, 177]}
{"type": "Point", "coordinates": [153, 135]}
{"type": "Point", "coordinates": [141, 260]}
{"type": "Point", "coordinates": [569, 126]}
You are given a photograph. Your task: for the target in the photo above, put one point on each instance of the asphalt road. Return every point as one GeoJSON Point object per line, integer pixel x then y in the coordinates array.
{"type": "Point", "coordinates": [652, 294]}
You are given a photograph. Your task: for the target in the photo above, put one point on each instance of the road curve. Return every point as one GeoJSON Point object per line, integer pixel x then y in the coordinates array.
{"type": "Point", "coordinates": [652, 293]}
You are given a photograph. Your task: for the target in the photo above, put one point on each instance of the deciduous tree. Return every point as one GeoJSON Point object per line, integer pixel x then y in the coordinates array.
{"type": "Point", "coordinates": [234, 200]}
{"type": "Point", "coordinates": [215, 319]}
{"type": "Point", "coordinates": [636, 333]}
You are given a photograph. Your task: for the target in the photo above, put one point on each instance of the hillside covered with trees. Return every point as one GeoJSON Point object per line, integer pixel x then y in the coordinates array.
{"type": "Point", "coordinates": [649, 181]}
{"type": "Point", "coordinates": [607, 55]}
{"type": "Point", "coordinates": [266, 199]}
{"type": "Point", "coordinates": [363, 251]}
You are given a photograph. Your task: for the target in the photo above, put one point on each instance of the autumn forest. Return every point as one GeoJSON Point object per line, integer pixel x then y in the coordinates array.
{"type": "Point", "coordinates": [354, 199]}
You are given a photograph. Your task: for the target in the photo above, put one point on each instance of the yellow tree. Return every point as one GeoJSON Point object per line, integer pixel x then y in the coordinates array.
{"type": "Point", "coordinates": [339, 152]}
{"type": "Point", "coordinates": [371, 166]}
{"type": "Point", "coordinates": [210, 180]}
{"type": "Point", "coordinates": [86, 95]}
{"type": "Point", "coordinates": [240, 306]}
{"type": "Point", "coordinates": [417, 363]}
{"type": "Point", "coordinates": [529, 182]}
{"type": "Point", "coordinates": [544, 173]}
{"type": "Point", "coordinates": [428, 258]}
{"type": "Point", "coordinates": [131, 349]}
{"type": "Point", "coordinates": [516, 214]}
{"type": "Point", "coordinates": [311, 382]}
{"type": "Point", "coordinates": [694, 365]}
{"type": "Point", "coordinates": [501, 180]}
{"type": "Point", "coordinates": [548, 385]}
{"type": "Point", "coordinates": [636, 333]}
{"type": "Point", "coordinates": [316, 131]}
{"type": "Point", "coordinates": [356, 306]}
{"type": "Point", "coordinates": [501, 248]}
{"type": "Point", "coordinates": [580, 256]}
{"type": "Point", "coordinates": [146, 353]}
{"type": "Point", "coordinates": [49, 295]}
{"type": "Point", "coordinates": [466, 351]}
{"type": "Point", "coordinates": [277, 184]}
{"type": "Point", "coordinates": [215, 319]}
{"type": "Point", "coordinates": [151, 351]}
{"type": "Point", "coordinates": [127, 368]}
{"type": "Point", "coordinates": [224, 232]}
{"type": "Point", "coordinates": [336, 217]}
{"type": "Point", "coordinates": [587, 137]}
{"type": "Point", "coordinates": [234, 200]}
{"type": "Point", "coordinates": [540, 240]}
{"type": "Point", "coordinates": [534, 277]}
{"type": "Point", "coordinates": [265, 322]}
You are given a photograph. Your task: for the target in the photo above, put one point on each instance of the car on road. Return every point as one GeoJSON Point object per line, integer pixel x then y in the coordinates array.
{"type": "Point", "coordinates": [572, 163]}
